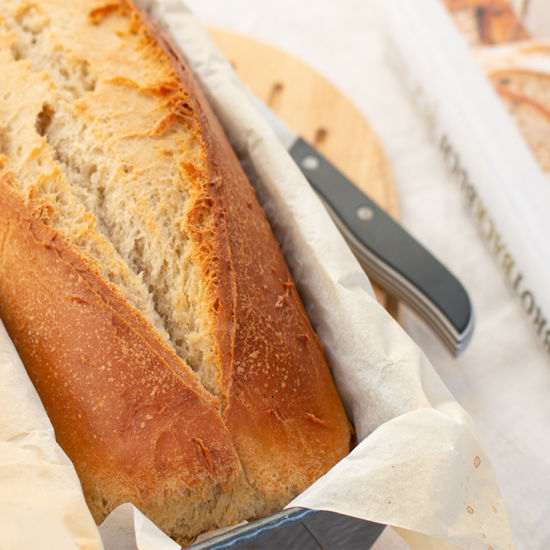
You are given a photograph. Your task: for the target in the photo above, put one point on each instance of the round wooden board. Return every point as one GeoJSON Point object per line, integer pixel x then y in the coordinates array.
{"type": "Point", "coordinates": [315, 109]}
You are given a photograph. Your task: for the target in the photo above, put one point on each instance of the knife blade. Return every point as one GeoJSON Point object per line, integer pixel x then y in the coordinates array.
{"type": "Point", "coordinates": [390, 256]}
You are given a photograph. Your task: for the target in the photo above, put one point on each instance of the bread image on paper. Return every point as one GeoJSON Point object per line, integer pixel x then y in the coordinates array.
{"type": "Point", "coordinates": [486, 21]}
{"type": "Point", "coordinates": [520, 74]}
{"type": "Point", "coordinates": [525, 94]}
{"type": "Point", "coordinates": [517, 66]}
{"type": "Point", "coordinates": [141, 283]}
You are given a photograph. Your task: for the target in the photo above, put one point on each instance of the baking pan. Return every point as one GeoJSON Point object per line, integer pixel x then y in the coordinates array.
{"type": "Point", "coordinates": [298, 529]}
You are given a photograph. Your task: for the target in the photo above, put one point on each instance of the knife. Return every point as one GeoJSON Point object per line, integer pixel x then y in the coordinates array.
{"type": "Point", "coordinates": [390, 256]}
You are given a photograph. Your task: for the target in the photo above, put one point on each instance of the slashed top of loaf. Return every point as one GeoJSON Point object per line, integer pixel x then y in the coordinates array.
{"type": "Point", "coordinates": [112, 145]}
{"type": "Point", "coordinates": [97, 126]}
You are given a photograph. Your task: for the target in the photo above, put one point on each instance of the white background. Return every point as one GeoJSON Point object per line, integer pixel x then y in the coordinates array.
{"type": "Point", "coordinates": [503, 378]}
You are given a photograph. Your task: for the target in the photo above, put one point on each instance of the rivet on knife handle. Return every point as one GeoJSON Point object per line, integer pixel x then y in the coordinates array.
{"type": "Point", "coordinates": [390, 256]}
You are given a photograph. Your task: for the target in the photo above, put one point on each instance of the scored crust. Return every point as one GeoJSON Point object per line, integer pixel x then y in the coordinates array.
{"type": "Point", "coordinates": [141, 283]}
{"type": "Point", "coordinates": [136, 425]}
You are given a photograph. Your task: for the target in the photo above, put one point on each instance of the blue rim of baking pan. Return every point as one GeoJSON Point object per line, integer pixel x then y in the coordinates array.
{"type": "Point", "coordinates": [298, 529]}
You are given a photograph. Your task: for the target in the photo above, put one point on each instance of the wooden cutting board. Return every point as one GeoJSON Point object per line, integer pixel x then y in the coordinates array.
{"type": "Point", "coordinates": [319, 112]}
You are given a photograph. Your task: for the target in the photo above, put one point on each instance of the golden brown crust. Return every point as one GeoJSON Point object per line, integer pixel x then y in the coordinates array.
{"type": "Point", "coordinates": [495, 20]}
{"type": "Point", "coordinates": [275, 379]}
{"type": "Point", "coordinates": [135, 420]}
{"type": "Point", "coordinates": [507, 76]}
{"type": "Point", "coordinates": [118, 397]}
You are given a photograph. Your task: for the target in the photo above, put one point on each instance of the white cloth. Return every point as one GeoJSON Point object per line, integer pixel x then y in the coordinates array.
{"type": "Point", "coordinates": [503, 378]}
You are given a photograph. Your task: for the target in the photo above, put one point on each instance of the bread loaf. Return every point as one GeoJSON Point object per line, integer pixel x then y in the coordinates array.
{"type": "Point", "coordinates": [141, 283]}
{"type": "Point", "coordinates": [509, 57]}
{"type": "Point", "coordinates": [486, 21]}
{"type": "Point", "coordinates": [520, 74]}
{"type": "Point", "coordinates": [530, 111]}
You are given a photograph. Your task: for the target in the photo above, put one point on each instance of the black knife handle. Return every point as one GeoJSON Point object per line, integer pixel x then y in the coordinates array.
{"type": "Point", "coordinates": [390, 256]}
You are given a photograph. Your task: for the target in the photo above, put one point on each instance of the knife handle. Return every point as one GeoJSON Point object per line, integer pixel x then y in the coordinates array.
{"type": "Point", "coordinates": [390, 256]}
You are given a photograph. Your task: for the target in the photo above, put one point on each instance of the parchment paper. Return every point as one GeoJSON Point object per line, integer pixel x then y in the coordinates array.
{"type": "Point", "coordinates": [41, 502]}
{"type": "Point", "coordinates": [419, 465]}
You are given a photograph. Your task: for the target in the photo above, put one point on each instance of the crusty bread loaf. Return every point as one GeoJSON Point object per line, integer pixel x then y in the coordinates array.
{"type": "Point", "coordinates": [486, 21]}
{"type": "Point", "coordinates": [520, 74]}
{"type": "Point", "coordinates": [525, 91]}
{"type": "Point", "coordinates": [530, 109]}
{"type": "Point", "coordinates": [140, 281]}
{"type": "Point", "coordinates": [531, 84]}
